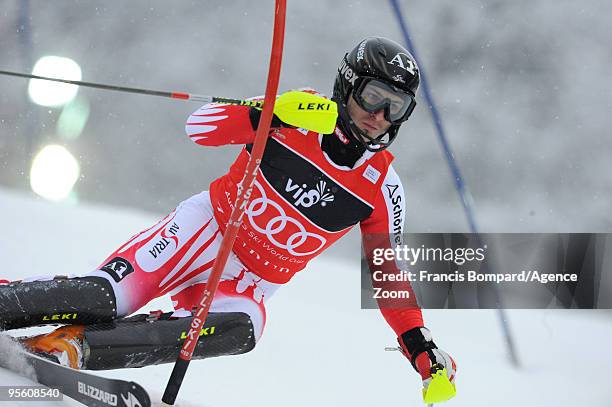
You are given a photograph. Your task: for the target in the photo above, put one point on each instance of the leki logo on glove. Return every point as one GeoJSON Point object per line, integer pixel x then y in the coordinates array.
{"type": "Point", "coordinates": [307, 198]}
{"type": "Point", "coordinates": [282, 230]}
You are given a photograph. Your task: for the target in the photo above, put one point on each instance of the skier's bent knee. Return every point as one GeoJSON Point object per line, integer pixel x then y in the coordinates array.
{"type": "Point", "coordinates": [142, 341]}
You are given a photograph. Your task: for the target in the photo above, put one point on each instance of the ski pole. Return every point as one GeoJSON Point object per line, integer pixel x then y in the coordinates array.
{"type": "Point", "coordinates": [288, 107]}
{"type": "Point", "coordinates": [166, 94]}
{"type": "Point", "coordinates": [244, 194]}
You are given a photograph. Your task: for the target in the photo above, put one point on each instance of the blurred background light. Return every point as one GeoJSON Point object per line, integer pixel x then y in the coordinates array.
{"type": "Point", "coordinates": [52, 94]}
{"type": "Point", "coordinates": [73, 118]}
{"type": "Point", "coordinates": [54, 172]}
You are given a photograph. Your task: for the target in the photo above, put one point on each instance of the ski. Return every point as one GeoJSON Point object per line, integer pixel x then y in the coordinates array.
{"type": "Point", "coordinates": [86, 388]}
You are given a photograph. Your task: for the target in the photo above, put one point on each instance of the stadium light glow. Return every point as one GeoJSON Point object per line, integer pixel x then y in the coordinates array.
{"type": "Point", "coordinates": [52, 94]}
{"type": "Point", "coordinates": [54, 172]}
{"type": "Point", "coordinates": [73, 118]}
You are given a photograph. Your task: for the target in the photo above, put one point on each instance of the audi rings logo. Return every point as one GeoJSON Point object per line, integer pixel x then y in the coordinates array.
{"type": "Point", "coordinates": [295, 238]}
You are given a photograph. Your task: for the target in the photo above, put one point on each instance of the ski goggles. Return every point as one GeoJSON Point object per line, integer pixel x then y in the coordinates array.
{"type": "Point", "coordinates": [373, 95]}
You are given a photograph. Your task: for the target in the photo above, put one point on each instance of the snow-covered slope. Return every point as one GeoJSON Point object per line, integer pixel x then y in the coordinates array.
{"type": "Point", "coordinates": [319, 347]}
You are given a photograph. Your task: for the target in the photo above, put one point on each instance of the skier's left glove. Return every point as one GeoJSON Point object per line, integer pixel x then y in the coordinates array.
{"type": "Point", "coordinates": [431, 363]}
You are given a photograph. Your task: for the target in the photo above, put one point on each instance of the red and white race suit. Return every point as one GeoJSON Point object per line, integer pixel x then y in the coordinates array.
{"type": "Point", "coordinates": [302, 203]}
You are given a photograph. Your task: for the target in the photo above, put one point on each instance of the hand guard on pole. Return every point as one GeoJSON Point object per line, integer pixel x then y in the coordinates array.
{"type": "Point", "coordinates": [436, 367]}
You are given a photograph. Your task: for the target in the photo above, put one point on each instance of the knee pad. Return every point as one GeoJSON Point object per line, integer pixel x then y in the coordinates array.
{"type": "Point", "coordinates": [142, 341]}
{"type": "Point", "coordinates": [61, 300]}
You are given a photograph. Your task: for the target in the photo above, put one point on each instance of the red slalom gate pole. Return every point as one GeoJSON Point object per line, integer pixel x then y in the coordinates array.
{"type": "Point", "coordinates": [245, 189]}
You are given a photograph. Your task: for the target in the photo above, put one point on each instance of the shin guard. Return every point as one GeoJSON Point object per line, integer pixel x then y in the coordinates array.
{"type": "Point", "coordinates": [61, 300]}
{"type": "Point", "coordinates": [142, 341]}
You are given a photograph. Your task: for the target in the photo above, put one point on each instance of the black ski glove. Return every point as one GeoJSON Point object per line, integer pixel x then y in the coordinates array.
{"type": "Point", "coordinates": [418, 346]}
{"type": "Point", "coordinates": [255, 115]}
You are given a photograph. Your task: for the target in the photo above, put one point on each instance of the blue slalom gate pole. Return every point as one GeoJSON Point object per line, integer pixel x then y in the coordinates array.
{"type": "Point", "coordinates": [460, 186]}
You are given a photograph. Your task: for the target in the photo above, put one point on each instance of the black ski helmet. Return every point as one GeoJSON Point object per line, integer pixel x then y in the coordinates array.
{"type": "Point", "coordinates": [382, 59]}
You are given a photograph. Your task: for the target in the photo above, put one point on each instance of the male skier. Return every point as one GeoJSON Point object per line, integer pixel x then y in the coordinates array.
{"type": "Point", "coordinates": [311, 189]}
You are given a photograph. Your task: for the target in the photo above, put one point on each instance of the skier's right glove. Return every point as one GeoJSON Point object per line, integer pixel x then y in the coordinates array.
{"type": "Point", "coordinates": [255, 116]}
{"type": "Point", "coordinates": [436, 367]}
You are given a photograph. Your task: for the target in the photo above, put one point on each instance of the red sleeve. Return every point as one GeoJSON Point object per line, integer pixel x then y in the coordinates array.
{"type": "Point", "coordinates": [217, 125]}
{"type": "Point", "coordinates": [383, 229]}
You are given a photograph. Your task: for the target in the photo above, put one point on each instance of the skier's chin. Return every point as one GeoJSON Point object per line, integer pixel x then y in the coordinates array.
{"type": "Point", "coordinates": [368, 135]}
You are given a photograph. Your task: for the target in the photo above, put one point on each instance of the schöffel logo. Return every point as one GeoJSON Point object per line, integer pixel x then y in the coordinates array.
{"type": "Point", "coordinates": [396, 201]}
{"type": "Point", "coordinates": [118, 268]}
{"type": "Point", "coordinates": [167, 235]}
{"type": "Point", "coordinates": [307, 198]}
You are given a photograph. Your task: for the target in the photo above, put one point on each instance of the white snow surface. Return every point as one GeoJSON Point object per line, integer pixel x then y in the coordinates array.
{"type": "Point", "coordinates": [319, 347]}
